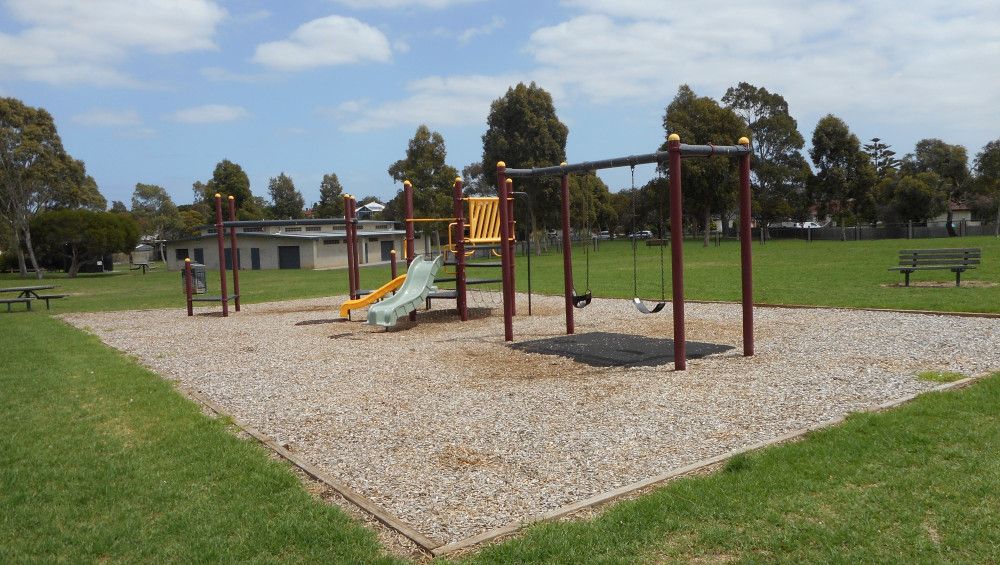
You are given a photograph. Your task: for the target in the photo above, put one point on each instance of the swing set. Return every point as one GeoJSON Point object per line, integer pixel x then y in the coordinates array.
{"type": "Point", "coordinates": [676, 151]}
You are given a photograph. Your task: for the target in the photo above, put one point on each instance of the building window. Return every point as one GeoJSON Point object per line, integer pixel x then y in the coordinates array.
{"type": "Point", "coordinates": [293, 229]}
{"type": "Point", "coordinates": [331, 241]}
{"type": "Point", "coordinates": [181, 254]}
{"type": "Point", "coordinates": [314, 228]}
{"type": "Point", "coordinates": [250, 230]}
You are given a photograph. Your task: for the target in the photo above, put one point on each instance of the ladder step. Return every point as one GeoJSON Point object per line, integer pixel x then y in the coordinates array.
{"type": "Point", "coordinates": [474, 265]}
{"type": "Point", "coordinates": [483, 281]}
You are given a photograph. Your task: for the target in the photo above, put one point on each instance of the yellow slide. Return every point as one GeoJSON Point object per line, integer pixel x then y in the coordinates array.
{"type": "Point", "coordinates": [375, 296]}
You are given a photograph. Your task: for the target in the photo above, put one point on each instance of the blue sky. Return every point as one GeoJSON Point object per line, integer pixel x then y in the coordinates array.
{"type": "Point", "coordinates": [159, 91]}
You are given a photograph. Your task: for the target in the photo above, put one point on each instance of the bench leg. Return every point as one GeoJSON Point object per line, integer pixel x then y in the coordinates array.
{"type": "Point", "coordinates": [907, 275]}
{"type": "Point", "coordinates": [958, 278]}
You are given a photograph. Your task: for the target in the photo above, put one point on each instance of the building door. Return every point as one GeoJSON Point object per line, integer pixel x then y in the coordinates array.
{"type": "Point", "coordinates": [255, 258]}
{"type": "Point", "coordinates": [288, 257]}
{"type": "Point", "coordinates": [387, 250]}
{"type": "Point", "coordinates": [199, 255]}
{"type": "Point", "coordinates": [229, 258]}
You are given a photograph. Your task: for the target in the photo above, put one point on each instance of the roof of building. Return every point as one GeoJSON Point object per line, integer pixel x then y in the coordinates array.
{"type": "Point", "coordinates": [311, 236]}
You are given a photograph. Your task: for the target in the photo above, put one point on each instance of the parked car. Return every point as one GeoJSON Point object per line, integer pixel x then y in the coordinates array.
{"type": "Point", "coordinates": [812, 225]}
{"type": "Point", "coordinates": [603, 235]}
{"type": "Point", "coordinates": [643, 234]}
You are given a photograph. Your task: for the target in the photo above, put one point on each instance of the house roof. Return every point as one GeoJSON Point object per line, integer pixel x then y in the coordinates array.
{"type": "Point", "coordinates": [308, 236]}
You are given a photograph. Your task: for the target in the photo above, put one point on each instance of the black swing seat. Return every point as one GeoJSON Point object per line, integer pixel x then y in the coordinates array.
{"type": "Point", "coordinates": [641, 306]}
{"type": "Point", "coordinates": [582, 300]}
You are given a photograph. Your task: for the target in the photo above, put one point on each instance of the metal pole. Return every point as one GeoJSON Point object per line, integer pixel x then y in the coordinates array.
{"type": "Point", "coordinates": [352, 289]}
{"type": "Point", "coordinates": [505, 252]}
{"type": "Point", "coordinates": [677, 252]}
{"type": "Point", "coordinates": [355, 249]}
{"type": "Point", "coordinates": [187, 285]}
{"type": "Point", "coordinates": [222, 254]}
{"type": "Point", "coordinates": [408, 212]}
{"type": "Point", "coordinates": [746, 263]}
{"type": "Point", "coordinates": [459, 239]}
{"type": "Point", "coordinates": [392, 263]}
{"type": "Point", "coordinates": [235, 252]}
{"type": "Point", "coordinates": [512, 235]}
{"type": "Point", "coordinates": [567, 255]}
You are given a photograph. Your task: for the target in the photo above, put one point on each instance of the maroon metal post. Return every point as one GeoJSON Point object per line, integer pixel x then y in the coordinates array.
{"type": "Point", "coordinates": [222, 254]}
{"type": "Point", "coordinates": [505, 253]}
{"type": "Point", "coordinates": [408, 211]}
{"type": "Point", "coordinates": [352, 289]}
{"type": "Point", "coordinates": [745, 250]}
{"type": "Point", "coordinates": [459, 239]}
{"type": "Point", "coordinates": [235, 252]}
{"type": "Point", "coordinates": [567, 255]}
{"type": "Point", "coordinates": [512, 235]}
{"type": "Point", "coordinates": [392, 263]}
{"type": "Point", "coordinates": [677, 251]}
{"type": "Point", "coordinates": [355, 248]}
{"type": "Point", "coordinates": [187, 285]}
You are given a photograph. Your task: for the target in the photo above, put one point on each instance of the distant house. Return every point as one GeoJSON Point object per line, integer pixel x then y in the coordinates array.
{"type": "Point", "coordinates": [369, 210]}
{"type": "Point", "coordinates": [960, 212]}
{"type": "Point", "coordinates": [287, 244]}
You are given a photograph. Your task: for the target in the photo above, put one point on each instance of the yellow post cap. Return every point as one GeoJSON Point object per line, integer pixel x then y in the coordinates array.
{"type": "Point", "coordinates": [187, 259]}
{"type": "Point", "coordinates": [458, 179]}
{"type": "Point", "coordinates": [744, 141]}
{"type": "Point", "coordinates": [501, 164]}
{"type": "Point", "coordinates": [563, 164]}
{"type": "Point", "coordinates": [674, 137]}
{"type": "Point", "coordinates": [231, 197]}
{"type": "Point", "coordinates": [510, 181]}
{"type": "Point", "coordinates": [217, 195]}
{"type": "Point", "coordinates": [406, 182]}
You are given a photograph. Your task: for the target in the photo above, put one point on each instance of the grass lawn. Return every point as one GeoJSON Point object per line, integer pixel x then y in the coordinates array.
{"type": "Point", "coordinates": [829, 273]}
{"type": "Point", "coordinates": [101, 460]}
{"type": "Point", "coordinates": [914, 485]}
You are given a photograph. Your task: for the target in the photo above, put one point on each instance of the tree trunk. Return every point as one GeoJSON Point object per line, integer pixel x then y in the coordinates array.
{"type": "Point", "coordinates": [74, 264]}
{"type": "Point", "coordinates": [948, 225]}
{"type": "Point", "coordinates": [22, 266]}
{"type": "Point", "coordinates": [163, 252]}
{"type": "Point", "coordinates": [708, 226]}
{"type": "Point", "coordinates": [31, 252]}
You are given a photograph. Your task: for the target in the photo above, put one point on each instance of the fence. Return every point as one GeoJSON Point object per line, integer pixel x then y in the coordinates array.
{"type": "Point", "coordinates": [911, 230]}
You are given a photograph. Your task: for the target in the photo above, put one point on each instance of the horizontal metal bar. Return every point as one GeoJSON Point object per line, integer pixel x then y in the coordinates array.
{"type": "Point", "coordinates": [299, 222]}
{"type": "Point", "coordinates": [629, 161]}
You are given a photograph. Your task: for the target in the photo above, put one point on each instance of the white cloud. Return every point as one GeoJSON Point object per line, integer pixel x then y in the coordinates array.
{"type": "Point", "coordinates": [383, 4]}
{"type": "Point", "coordinates": [333, 40]}
{"type": "Point", "coordinates": [104, 117]}
{"type": "Point", "coordinates": [495, 24]}
{"type": "Point", "coordinates": [220, 74]}
{"type": "Point", "coordinates": [436, 101]}
{"type": "Point", "coordinates": [210, 114]}
{"type": "Point", "coordinates": [908, 60]}
{"type": "Point", "coordinates": [69, 42]}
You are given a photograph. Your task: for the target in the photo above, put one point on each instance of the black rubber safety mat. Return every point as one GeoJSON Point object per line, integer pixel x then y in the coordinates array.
{"type": "Point", "coordinates": [604, 349]}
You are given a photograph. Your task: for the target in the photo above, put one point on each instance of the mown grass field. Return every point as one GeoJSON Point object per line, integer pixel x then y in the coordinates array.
{"type": "Point", "coordinates": [830, 273]}
{"type": "Point", "coordinates": [101, 460]}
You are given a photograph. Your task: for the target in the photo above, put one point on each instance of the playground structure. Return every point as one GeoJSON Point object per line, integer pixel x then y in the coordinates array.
{"type": "Point", "coordinates": [481, 231]}
{"type": "Point", "coordinates": [675, 152]}
{"type": "Point", "coordinates": [224, 297]}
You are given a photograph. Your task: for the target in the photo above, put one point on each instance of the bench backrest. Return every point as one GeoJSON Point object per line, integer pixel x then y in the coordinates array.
{"type": "Point", "coordinates": [951, 257]}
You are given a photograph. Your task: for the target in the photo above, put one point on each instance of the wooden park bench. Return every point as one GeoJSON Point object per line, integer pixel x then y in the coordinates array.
{"type": "Point", "coordinates": [10, 301]}
{"type": "Point", "coordinates": [956, 260]}
{"type": "Point", "coordinates": [47, 297]}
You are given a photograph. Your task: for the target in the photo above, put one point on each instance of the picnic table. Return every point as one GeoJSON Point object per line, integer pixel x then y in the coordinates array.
{"type": "Point", "coordinates": [27, 294]}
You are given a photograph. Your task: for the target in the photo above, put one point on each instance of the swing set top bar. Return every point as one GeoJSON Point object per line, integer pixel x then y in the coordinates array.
{"type": "Point", "coordinates": [658, 157]}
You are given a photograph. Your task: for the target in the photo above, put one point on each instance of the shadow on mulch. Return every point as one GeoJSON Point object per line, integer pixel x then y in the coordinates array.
{"type": "Point", "coordinates": [604, 349]}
